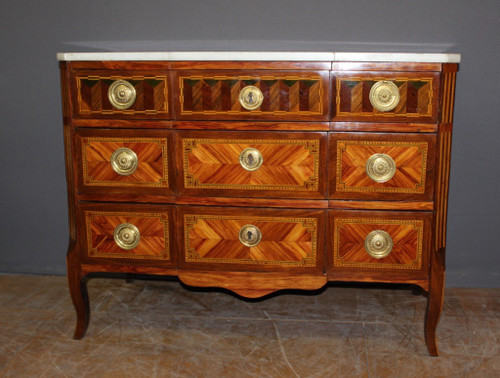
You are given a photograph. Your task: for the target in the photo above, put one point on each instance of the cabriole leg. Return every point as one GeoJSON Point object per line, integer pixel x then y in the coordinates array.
{"type": "Point", "coordinates": [78, 292]}
{"type": "Point", "coordinates": [434, 302]}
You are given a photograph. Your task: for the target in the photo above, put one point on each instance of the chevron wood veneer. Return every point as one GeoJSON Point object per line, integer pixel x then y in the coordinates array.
{"type": "Point", "coordinates": [410, 159]}
{"type": "Point", "coordinates": [152, 169]}
{"type": "Point", "coordinates": [153, 227]}
{"type": "Point", "coordinates": [286, 241]}
{"type": "Point", "coordinates": [350, 234]}
{"type": "Point", "coordinates": [287, 164]}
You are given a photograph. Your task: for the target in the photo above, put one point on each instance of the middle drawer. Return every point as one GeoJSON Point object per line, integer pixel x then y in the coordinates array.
{"type": "Point", "coordinates": [258, 164]}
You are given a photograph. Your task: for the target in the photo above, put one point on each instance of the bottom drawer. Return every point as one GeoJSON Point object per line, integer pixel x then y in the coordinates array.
{"type": "Point", "coordinates": [378, 245]}
{"type": "Point", "coordinates": [125, 233]}
{"type": "Point", "coordinates": [249, 239]}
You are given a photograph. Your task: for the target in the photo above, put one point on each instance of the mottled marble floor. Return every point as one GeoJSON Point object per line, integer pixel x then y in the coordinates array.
{"type": "Point", "coordinates": [162, 329]}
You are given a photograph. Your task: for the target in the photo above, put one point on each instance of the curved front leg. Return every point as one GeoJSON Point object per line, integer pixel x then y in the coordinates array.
{"type": "Point", "coordinates": [78, 291]}
{"type": "Point", "coordinates": [435, 301]}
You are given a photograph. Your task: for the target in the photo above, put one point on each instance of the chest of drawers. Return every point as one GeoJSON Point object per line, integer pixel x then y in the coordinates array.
{"type": "Point", "coordinates": [258, 172]}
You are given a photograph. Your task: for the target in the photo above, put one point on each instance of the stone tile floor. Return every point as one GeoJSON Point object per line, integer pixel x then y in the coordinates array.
{"type": "Point", "coordinates": [156, 328]}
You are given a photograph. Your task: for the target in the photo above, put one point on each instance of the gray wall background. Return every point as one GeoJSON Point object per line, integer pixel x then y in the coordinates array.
{"type": "Point", "coordinates": [33, 216]}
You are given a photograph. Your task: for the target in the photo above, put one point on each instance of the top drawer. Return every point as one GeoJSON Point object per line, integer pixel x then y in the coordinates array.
{"type": "Point", "coordinates": [252, 95]}
{"type": "Point", "coordinates": [386, 96]}
{"type": "Point", "coordinates": [120, 94]}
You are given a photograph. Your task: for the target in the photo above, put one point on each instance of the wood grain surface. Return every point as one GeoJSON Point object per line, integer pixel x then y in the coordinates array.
{"type": "Point", "coordinates": [413, 155]}
{"type": "Point", "coordinates": [418, 92]}
{"type": "Point", "coordinates": [90, 94]}
{"type": "Point", "coordinates": [290, 239]}
{"type": "Point", "coordinates": [212, 94]}
{"type": "Point", "coordinates": [293, 165]}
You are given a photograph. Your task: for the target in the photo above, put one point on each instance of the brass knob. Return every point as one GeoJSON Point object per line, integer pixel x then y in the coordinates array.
{"type": "Point", "coordinates": [250, 235]}
{"type": "Point", "coordinates": [124, 161]}
{"type": "Point", "coordinates": [251, 97]}
{"type": "Point", "coordinates": [380, 167]}
{"type": "Point", "coordinates": [251, 159]}
{"type": "Point", "coordinates": [384, 95]}
{"type": "Point", "coordinates": [126, 236]}
{"type": "Point", "coordinates": [121, 94]}
{"type": "Point", "coordinates": [378, 244]}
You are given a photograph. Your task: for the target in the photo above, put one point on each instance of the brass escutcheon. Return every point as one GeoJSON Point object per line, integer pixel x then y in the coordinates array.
{"type": "Point", "coordinates": [250, 235]}
{"type": "Point", "coordinates": [251, 159]}
{"type": "Point", "coordinates": [380, 167]}
{"type": "Point", "coordinates": [121, 94]}
{"type": "Point", "coordinates": [378, 244]}
{"type": "Point", "coordinates": [251, 97]}
{"type": "Point", "coordinates": [384, 95]}
{"type": "Point", "coordinates": [126, 236]}
{"type": "Point", "coordinates": [124, 161]}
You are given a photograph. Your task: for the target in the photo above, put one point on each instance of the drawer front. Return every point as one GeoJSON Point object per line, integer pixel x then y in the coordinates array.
{"type": "Point", "coordinates": [252, 239]}
{"type": "Point", "coordinates": [381, 166]}
{"type": "Point", "coordinates": [259, 164]}
{"type": "Point", "coordinates": [125, 163]}
{"type": "Point", "coordinates": [126, 234]}
{"type": "Point", "coordinates": [372, 241]}
{"type": "Point", "coordinates": [121, 94]}
{"type": "Point", "coordinates": [386, 96]}
{"type": "Point", "coordinates": [252, 95]}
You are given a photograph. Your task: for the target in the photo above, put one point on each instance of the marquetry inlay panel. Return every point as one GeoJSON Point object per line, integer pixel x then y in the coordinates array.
{"type": "Point", "coordinates": [153, 228]}
{"type": "Point", "coordinates": [410, 159]}
{"type": "Point", "coordinates": [417, 97]}
{"type": "Point", "coordinates": [151, 95]}
{"type": "Point", "coordinates": [349, 243]}
{"type": "Point", "coordinates": [288, 164]}
{"type": "Point", "coordinates": [152, 157]}
{"type": "Point", "coordinates": [443, 164]}
{"type": "Point", "coordinates": [286, 241]}
{"type": "Point", "coordinates": [282, 95]}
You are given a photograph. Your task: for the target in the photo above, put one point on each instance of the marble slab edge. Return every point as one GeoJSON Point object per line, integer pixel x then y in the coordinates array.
{"type": "Point", "coordinates": [261, 56]}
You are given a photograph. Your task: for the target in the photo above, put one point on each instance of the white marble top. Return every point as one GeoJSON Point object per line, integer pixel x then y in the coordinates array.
{"type": "Point", "coordinates": [263, 56]}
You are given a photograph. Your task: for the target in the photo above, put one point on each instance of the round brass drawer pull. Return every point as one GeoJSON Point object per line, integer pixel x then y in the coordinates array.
{"type": "Point", "coordinates": [126, 236]}
{"type": "Point", "coordinates": [124, 161]}
{"type": "Point", "coordinates": [251, 159]}
{"type": "Point", "coordinates": [384, 95]}
{"type": "Point", "coordinates": [378, 244]}
{"type": "Point", "coordinates": [121, 94]}
{"type": "Point", "coordinates": [250, 235]}
{"type": "Point", "coordinates": [251, 97]}
{"type": "Point", "coordinates": [380, 167]}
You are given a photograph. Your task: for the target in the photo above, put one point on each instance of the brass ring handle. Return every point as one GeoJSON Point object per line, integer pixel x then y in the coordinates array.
{"type": "Point", "coordinates": [121, 94]}
{"type": "Point", "coordinates": [124, 161]}
{"type": "Point", "coordinates": [378, 244]}
{"type": "Point", "coordinates": [126, 236]}
{"type": "Point", "coordinates": [251, 97]}
{"type": "Point", "coordinates": [380, 167]}
{"type": "Point", "coordinates": [384, 95]}
{"type": "Point", "coordinates": [251, 159]}
{"type": "Point", "coordinates": [250, 235]}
